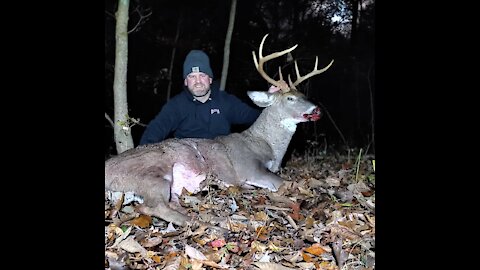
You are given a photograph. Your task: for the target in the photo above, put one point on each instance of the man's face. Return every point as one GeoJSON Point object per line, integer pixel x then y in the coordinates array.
{"type": "Point", "coordinates": [198, 83]}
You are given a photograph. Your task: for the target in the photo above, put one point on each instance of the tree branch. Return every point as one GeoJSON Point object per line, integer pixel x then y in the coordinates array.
{"type": "Point", "coordinates": [109, 13]}
{"type": "Point", "coordinates": [109, 120]}
{"type": "Point", "coordinates": [142, 17]}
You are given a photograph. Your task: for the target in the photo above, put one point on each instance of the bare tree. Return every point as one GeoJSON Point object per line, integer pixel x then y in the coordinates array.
{"type": "Point", "coordinates": [226, 50]}
{"type": "Point", "coordinates": [122, 122]}
{"type": "Point", "coordinates": [172, 58]}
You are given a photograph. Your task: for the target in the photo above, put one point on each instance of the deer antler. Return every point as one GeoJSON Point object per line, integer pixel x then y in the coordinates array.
{"type": "Point", "coordinates": [281, 83]}
{"type": "Point", "coordinates": [314, 72]}
{"type": "Point", "coordinates": [262, 59]}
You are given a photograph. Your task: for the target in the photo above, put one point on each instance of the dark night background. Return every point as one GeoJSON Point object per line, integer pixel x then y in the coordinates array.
{"type": "Point", "coordinates": [342, 30]}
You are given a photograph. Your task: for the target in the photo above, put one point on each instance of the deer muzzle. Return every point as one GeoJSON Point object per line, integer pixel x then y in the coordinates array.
{"type": "Point", "coordinates": [314, 115]}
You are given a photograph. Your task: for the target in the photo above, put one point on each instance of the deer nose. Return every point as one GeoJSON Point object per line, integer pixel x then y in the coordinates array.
{"type": "Point", "coordinates": [315, 115]}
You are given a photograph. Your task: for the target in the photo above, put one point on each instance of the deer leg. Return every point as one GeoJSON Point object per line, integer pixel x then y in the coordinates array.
{"type": "Point", "coordinates": [164, 212]}
{"type": "Point", "coordinates": [266, 180]}
{"type": "Point", "coordinates": [156, 198]}
{"type": "Point", "coordinates": [260, 177]}
{"type": "Point", "coordinates": [161, 196]}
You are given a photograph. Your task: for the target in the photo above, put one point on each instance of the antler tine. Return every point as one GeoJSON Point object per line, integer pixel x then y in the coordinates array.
{"type": "Point", "coordinates": [280, 73]}
{"type": "Point", "coordinates": [290, 83]}
{"type": "Point", "coordinates": [263, 59]}
{"type": "Point", "coordinates": [314, 72]}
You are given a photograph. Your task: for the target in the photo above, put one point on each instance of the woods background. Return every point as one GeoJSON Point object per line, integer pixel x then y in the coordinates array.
{"type": "Point", "coordinates": [161, 33]}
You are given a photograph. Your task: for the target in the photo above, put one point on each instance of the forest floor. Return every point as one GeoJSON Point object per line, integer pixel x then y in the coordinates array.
{"type": "Point", "coordinates": [323, 217]}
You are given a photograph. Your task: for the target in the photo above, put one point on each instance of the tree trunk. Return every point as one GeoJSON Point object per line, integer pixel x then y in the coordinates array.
{"type": "Point", "coordinates": [122, 132]}
{"type": "Point", "coordinates": [353, 31]}
{"type": "Point", "coordinates": [172, 58]}
{"type": "Point", "coordinates": [226, 50]}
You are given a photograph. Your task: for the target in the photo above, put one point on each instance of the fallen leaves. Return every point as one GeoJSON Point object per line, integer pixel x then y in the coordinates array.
{"type": "Point", "coordinates": [322, 218]}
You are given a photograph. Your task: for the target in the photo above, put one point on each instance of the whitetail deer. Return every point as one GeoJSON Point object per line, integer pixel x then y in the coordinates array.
{"type": "Point", "coordinates": [159, 172]}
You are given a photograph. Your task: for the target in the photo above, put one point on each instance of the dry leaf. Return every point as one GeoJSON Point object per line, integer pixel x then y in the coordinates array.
{"type": "Point", "coordinates": [173, 263]}
{"type": "Point", "coordinates": [296, 211]}
{"type": "Point", "coordinates": [307, 257]}
{"type": "Point", "coordinates": [170, 256]}
{"type": "Point", "coordinates": [332, 181]}
{"type": "Point", "coordinates": [122, 237]}
{"type": "Point", "coordinates": [294, 257]}
{"type": "Point", "coordinates": [262, 232]}
{"type": "Point", "coordinates": [143, 221]}
{"type": "Point", "coordinates": [261, 200]}
{"type": "Point", "coordinates": [295, 207]}
{"type": "Point", "coordinates": [151, 242]}
{"type": "Point", "coordinates": [233, 247]}
{"type": "Point", "coordinates": [368, 193]}
{"type": "Point", "coordinates": [152, 255]}
{"type": "Point", "coordinates": [218, 243]}
{"type": "Point", "coordinates": [326, 265]}
{"type": "Point", "coordinates": [111, 254]}
{"type": "Point", "coordinates": [271, 266]}
{"type": "Point", "coordinates": [313, 183]}
{"type": "Point", "coordinates": [156, 258]}
{"type": "Point", "coordinates": [274, 248]}
{"type": "Point", "coordinates": [306, 265]}
{"type": "Point", "coordinates": [296, 216]}
{"type": "Point", "coordinates": [184, 262]}
{"type": "Point", "coordinates": [309, 221]}
{"type": "Point", "coordinates": [315, 249]}
{"type": "Point", "coordinates": [344, 232]}
{"type": "Point", "coordinates": [278, 198]}
{"type": "Point", "coordinates": [371, 220]}
{"type": "Point", "coordinates": [169, 229]}
{"type": "Point", "coordinates": [215, 265]}
{"type": "Point", "coordinates": [196, 264]}
{"type": "Point", "coordinates": [261, 216]}
{"type": "Point", "coordinates": [117, 206]}
{"type": "Point", "coordinates": [234, 226]}
{"type": "Point", "coordinates": [306, 192]}
{"type": "Point", "coordinates": [194, 253]}
{"type": "Point", "coordinates": [233, 190]}
{"type": "Point", "coordinates": [215, 255]}
{"type": "Point", "coordinates": [257, 246]}
{"type": "Point", "coordinates": [132, 246]}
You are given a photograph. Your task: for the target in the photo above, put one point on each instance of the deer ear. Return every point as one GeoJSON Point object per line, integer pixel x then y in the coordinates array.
{"type": "Point", "coordinates": [261, 98]}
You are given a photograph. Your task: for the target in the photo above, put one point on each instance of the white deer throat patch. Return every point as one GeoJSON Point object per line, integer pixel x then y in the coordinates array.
{"type": "Point", "coordinates": [289, 124]}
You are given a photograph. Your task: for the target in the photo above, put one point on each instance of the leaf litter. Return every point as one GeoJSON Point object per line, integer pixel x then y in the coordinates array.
{"type": "Point", "coordinates": [322, 217]}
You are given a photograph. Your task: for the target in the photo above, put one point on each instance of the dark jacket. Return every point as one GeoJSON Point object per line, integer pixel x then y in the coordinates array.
{"type": "Point", "coordinates": [189, 118]}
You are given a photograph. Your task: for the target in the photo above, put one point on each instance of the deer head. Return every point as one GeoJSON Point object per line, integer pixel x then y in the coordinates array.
{"type": "Point", "coordinates": [296, 108]}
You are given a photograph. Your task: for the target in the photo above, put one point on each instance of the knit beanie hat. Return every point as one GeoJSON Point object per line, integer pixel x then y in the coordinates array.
{"type": "Point", "coordinates": [197, 61]}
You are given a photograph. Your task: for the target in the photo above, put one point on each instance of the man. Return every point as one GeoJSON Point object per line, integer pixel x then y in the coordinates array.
{"type": "Point", "coordinates": [201, 110]}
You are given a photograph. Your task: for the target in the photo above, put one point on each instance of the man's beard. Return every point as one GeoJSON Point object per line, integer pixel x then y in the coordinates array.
{"type": "Point", "coordinates": [206, 93]}
{"type": "Point", "coordinates": [203, 94]}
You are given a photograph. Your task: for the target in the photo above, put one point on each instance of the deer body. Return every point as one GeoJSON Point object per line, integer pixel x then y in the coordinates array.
{"type": "Point", "coordinates": [159, 172]}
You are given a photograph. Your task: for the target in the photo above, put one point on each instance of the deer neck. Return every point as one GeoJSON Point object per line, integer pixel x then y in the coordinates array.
{"type": "Point", "coordinates": [276, 132]}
